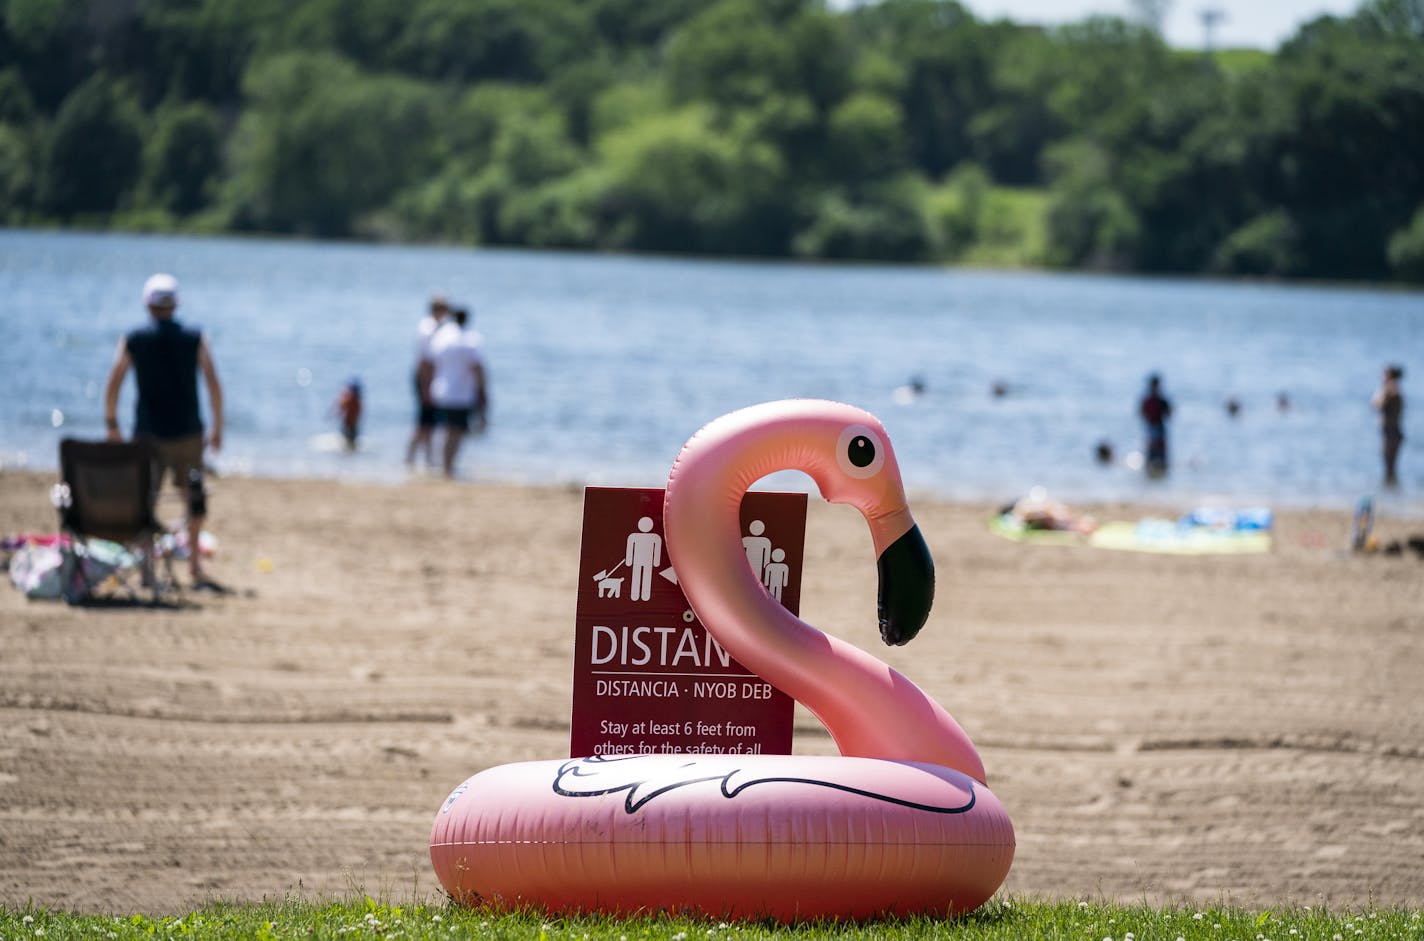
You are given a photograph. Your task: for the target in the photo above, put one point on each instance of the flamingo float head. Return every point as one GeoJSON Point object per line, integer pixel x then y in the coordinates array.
{"type": "Point", "coordinates": [847, 452]}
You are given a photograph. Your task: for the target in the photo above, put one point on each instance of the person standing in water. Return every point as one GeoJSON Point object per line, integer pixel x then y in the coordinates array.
{"type": "Point", "coordinates": [1155, 409]}
{"type": "Point", "coordinates": [457, 386]}
{"type": "Point", "coordinates": [420, 437]}
{"type": "Point", "coordinates": [1389, 402]}
{"type": "Point", "coordinates": [348, 410]}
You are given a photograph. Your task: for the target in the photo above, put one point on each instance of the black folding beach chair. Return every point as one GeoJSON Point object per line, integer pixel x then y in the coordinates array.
{"type": "Point", "coordinates": [107, 492]}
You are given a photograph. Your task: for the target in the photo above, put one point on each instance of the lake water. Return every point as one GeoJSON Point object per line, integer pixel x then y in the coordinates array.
{"type": "Point", "coordinates": [602, 366]}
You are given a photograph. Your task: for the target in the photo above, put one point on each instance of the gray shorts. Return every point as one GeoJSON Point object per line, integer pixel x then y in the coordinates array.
{"type": "Point", "coordinates": [178, 456]}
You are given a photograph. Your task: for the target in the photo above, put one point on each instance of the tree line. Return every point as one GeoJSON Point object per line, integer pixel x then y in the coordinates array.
{"type": "Point", "coordinates": [900, 130]}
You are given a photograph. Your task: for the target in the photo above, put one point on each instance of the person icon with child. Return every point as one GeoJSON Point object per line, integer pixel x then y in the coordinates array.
{"type": "Point", "coordinates": [758, 547]}
{"type": "Point", "coordinates": [766, 560]}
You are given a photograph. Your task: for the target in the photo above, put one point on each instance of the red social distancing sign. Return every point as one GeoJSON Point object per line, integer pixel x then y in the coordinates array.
{"type": "Point", "coordinates": [648, 678]}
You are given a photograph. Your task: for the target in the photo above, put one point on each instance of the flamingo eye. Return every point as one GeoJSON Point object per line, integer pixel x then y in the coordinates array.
{"type": "Point", "coordinates": [859, 452]}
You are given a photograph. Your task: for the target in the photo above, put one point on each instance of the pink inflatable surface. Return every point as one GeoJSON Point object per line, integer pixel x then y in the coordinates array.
{"type": "Point", "coordinates": [901, 823]}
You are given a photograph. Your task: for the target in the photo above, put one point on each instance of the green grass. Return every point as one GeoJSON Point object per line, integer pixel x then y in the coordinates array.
{"type": "Point", "coordinates": [1009, 918]}
{"type": "Point", "coordinates": [1236, 63]}
{"type": "Point", "coordinates": [1241, 63]}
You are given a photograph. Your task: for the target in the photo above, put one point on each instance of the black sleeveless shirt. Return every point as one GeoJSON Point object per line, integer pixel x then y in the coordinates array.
{"type": "Point", "coordinates": [165, 359]}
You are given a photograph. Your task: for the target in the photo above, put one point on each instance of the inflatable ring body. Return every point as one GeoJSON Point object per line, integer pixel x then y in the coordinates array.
{"type": "Point", "coordinates": [902, 822]}
{"type": "Point", "coordinates": [786, 837]}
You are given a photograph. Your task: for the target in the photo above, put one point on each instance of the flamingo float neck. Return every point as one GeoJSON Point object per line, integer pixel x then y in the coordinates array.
{"type": "Point", "coordinates": [870, 710]}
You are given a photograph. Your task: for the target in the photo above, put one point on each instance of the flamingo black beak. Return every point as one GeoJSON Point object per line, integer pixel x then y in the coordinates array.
{"type": "Point", "coordinates": [906, 588]}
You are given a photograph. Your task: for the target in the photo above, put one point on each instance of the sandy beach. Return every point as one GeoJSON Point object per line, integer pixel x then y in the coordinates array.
{"type": "Point", "coordinates": [1213, 728]}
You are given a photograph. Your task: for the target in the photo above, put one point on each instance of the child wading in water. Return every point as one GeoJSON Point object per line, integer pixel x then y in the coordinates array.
{"type": "Point", "coordinates": [348, 409]}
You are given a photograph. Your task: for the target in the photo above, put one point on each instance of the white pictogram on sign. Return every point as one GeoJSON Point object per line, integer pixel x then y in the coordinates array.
{"type": "Point", "coordinates": [767, 561]}
{"type": "Point", "coordinates": [643, 555]}
{"type": "Point", "coordinates": [758, 547]}
{"type": "Point", "coordinates": [776, 574]}
{"type": "Point", "coordinates": [608, 586]}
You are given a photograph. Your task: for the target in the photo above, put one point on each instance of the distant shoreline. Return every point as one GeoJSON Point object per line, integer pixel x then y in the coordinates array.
{"type": "Point", "coordinates": [1388, 286]}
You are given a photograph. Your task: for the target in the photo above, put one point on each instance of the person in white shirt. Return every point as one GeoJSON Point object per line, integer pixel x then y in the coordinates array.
{"type": "Point", "coordinates": [457, 384]}
{"type": "Point", "coordinates": [425, 412]}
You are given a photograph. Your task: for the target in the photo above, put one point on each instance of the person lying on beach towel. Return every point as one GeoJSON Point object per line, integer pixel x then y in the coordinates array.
{"type": "Point", "coordinates": [1036, 511]}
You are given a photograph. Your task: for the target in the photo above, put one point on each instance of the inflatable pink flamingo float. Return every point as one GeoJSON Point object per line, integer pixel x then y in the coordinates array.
{"type": "Point", "coordinates": [902, 822]}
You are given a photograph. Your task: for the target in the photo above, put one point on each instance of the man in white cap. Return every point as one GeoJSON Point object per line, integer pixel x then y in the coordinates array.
{"type": "Point", "coordinates": [166, 357]}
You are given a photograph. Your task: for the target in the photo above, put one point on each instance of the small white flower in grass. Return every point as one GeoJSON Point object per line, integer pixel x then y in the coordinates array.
{"type": "Point", "coordinates": [680, 936]}
{"type": "Point", "coordinates": [1338, 937]}
{"type": "Point", "coordinates": [1180, 938]}
{"type": "Point", "coordinates": [1082, 904]}
{"type": "Point", "coordinates": [1293, 931]}
{"type": "Point", "coordinates": [436, 918]}
{"type": "Point", "coordinates": [1198, 916]}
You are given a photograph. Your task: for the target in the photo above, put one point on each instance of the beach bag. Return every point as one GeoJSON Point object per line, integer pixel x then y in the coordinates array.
{"type": "Point", "coordinates": [69, 570]}
{"type": "Point", "coordinates": [38, 570]}
{"type": "Point", "coordinates": [96, 563]}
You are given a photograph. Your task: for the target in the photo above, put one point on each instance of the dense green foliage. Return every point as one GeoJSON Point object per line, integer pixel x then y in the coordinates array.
{"type": "Point", "coordinates": [1002, 919]}
{"type": "Point", "coordinates": [895, 130]}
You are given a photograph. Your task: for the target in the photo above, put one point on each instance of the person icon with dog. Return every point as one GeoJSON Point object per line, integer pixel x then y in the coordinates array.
{"type": "Point", "coordinates": [643, 555]}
